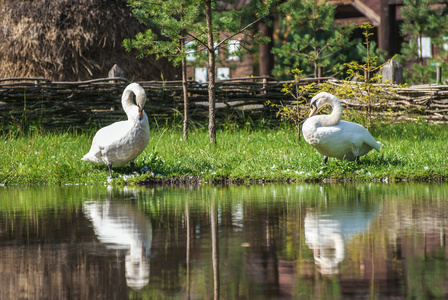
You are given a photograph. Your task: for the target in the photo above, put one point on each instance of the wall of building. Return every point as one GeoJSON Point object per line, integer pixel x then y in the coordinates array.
{"type": "Point", "coordinates": [228, 64]}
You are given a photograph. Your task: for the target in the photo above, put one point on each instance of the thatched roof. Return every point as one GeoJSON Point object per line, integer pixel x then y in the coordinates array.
{"type": "Point", "coordinates": [71, 40]}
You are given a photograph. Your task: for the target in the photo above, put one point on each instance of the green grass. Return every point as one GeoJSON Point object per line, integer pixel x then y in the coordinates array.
{"type": "Point", "coordinates": [410, 152]}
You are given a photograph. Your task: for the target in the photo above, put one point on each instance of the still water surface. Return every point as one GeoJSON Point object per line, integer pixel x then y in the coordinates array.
{"type": "Point", "coordinates": [304, 241]}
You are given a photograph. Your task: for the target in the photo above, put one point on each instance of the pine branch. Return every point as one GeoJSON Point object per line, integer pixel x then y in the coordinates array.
{"type": "Point", "coordinates": [240, 31]}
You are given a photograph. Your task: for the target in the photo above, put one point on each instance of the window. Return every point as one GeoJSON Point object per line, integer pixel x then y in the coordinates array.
{"type": "Point", "coordinates": [425, 45]}
{"type": "Point", "coordinates": [216, 49]}
{"type": "Point", "coordinates": [189, 49]}
{"type": "Point", "coordinates": [233, 47]}
{"type": "Point", "coordinates": [223, 73]}
{"type": "Point", "coordinates": [200, 75]}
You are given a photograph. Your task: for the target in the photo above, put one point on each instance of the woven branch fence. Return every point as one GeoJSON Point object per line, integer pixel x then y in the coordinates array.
{"type": "Point", "coordinates": [75, 104]}
{"type": "Point", "coordinates": [428, 102]}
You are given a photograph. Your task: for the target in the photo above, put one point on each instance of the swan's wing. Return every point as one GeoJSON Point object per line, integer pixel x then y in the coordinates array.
{"type": "Point", "coordinates": [106, 138]}
{"type": "Point", "coordinates": [345, 141]}
{"type": "Point", "coordinates": [110, 135]}
{"type": "Point", "coordinates": [332, 141]}
{"type": "Point", "coordinates": [360, 134]}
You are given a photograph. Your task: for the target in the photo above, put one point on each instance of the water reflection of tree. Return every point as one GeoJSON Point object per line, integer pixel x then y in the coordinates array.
{"type": "Point", "coordinates": [244, 246]}
{"type": "Point", "coordinates": [49, 249]}
{"type": "Point", "coordinates": [262, 249]}
{"type": "Point", "coordinates": [273, 259]}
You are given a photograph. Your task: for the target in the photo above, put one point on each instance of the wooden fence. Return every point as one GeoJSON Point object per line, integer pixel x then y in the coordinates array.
{"type": "Point", "coordinates": [75, 104]}
{"type": "Point", "coordinates": [63, 104]}
{"type": "Point", "coordinates": [428, 102]}
{"type": "Point", "coordinates": [60, 104]}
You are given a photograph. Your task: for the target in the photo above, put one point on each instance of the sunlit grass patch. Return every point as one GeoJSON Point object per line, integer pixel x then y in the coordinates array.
{"type": "Point", "coordinates": [409, 151]}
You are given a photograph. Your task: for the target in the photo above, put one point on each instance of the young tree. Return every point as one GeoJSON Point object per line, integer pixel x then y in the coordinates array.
{"type": "Point", "coordinates": [220, 27]}
{"type": "Point", "coordinates": [422, 19]}
{"type": "Point", "coordinates": [310, 40]}
{"type": "Point", "coordinates": [201, 21]}
{"type": "Point", "coordinates": [168, 23]}
{"type": "Point", "coordinates": [366, 90]}
{"type": "Point", "coordinates": [297, 112]}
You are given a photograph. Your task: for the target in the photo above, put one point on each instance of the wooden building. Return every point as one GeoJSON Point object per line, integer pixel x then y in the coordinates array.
{"type": "Point", "coordinates": [382, 14]}
{"type": "Point", "coordinates": [228, 64]}
{"type": "Point", "coordinates": [385, 16]}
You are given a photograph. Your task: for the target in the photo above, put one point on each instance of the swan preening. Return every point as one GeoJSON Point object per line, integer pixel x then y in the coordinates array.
{"type": "Point", "coordinates": [120, 226]}
{"type": "Point", "coordinates": [327, 231]}
{"type": "Point", "coordinates": [121, 142]}
{"type": "Point", "coordinates": [333, 137]}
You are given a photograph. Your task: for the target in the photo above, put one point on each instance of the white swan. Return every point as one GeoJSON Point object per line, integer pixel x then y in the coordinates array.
{"type": "Point", "coordinates": [121, 142]}
{"type": "Point", "coordinates": [333, 137]}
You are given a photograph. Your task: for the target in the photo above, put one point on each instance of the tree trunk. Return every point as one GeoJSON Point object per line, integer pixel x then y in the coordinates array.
{"type": "Point", "coordinates": [265, 57]}
{"type": "Point", "coordinates": [185, 92]}
{"type": "Point", "coordinates": [211, 73]}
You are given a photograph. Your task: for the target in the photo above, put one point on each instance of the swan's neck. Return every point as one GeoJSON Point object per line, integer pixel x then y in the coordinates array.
{"type": "Point", "coordinates": [127, 100]}
{"type": "Point", "coordinates": [335, 116]}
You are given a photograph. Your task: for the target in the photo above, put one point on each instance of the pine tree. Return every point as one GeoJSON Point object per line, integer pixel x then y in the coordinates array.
{"type": "Point", "coordinates": [421, 18]}
{"type": "Point", "coordinates": [170, 23]}
{"type": "Point", "coordinates": [367, 88]}
{"type": "Point", "coordinates": [310, 40]}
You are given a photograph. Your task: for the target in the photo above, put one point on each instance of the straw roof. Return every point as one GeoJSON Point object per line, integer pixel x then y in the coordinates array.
{"type": "Point", "coordinates": [71, 40]}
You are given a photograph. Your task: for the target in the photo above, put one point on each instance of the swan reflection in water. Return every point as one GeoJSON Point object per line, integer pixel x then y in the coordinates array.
{"type": "Point", "coordinates": [326, 233]}
{"type": "Point", "coordinates": [121, 226]}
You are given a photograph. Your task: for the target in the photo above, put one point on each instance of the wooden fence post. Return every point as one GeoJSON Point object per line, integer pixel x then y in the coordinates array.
{"type": "Point", "coordinates": [392, 72]}
{"type": "Point", "coordinates": [115, 71]}
{"type": "Point", "coordinates": [439, 75]}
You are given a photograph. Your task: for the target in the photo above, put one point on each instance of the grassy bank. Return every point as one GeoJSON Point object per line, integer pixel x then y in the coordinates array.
{"type": "Point", "coordinates": [410, 151]}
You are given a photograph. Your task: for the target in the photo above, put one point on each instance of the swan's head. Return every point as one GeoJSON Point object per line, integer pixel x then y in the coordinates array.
{"type": "Point", "coordinates": [140, 96]}
{"type": "Point", "coordinates": [140, 99]}
{"type": "Point", "coordinates": [140, 112]}
{"type": "Point", "coordinates": [139, 92]}
{"type": "Point", "coordinates": [321, 99]}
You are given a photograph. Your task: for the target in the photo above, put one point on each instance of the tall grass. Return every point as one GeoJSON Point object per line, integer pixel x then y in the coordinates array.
{"type": "Point", "coordinates": [250, 152]}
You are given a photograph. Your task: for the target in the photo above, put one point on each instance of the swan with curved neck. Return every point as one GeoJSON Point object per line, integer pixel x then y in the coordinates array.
{"type": "Point", "coordinates": [333, 137]}
{"type": "Point", "coordinates": [122, 142]}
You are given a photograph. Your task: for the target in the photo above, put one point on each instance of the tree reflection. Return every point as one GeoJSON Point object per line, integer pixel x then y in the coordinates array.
{"type": "Point", "coordinates": [215, 249]}
{"type": "Point", "coordinates": [304, 241]}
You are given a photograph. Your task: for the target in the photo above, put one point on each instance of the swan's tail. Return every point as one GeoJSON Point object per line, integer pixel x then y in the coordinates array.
{"type": "Point", "coordinates": [90, 157]}
{"type": "Point", "coordinates": [379, 145]}
{"type": "Point", "coordinates": [87, 157]}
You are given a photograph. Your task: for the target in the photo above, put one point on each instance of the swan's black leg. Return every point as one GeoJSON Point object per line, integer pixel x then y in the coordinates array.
{"type": "Point", "coordinates": [132, 167]}
{"type": "Point", "coordinates": [109, 165]}
{"type": "Point", "coordinates": [325, 160]}
{"type": "Point", "coordinates": [357, 159]}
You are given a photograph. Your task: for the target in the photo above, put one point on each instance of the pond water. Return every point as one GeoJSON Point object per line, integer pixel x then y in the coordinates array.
{"type": "Point", "coordinates": [304, 241]}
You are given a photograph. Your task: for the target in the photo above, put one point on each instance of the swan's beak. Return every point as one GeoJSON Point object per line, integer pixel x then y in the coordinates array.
{"type": "Point", "coordinates": [313, 110]}
{"type": "Point", "coordinates": [140, 112]}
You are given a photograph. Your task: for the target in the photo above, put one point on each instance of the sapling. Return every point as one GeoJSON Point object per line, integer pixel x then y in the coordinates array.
{"type": "Point", "coordinates": [296, 111]}
{"type": "Point", "coordinates": [363, 84]}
